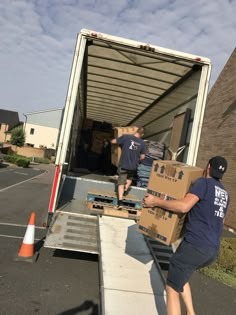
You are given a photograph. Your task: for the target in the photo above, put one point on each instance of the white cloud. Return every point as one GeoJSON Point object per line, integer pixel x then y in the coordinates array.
{"type": "Point", "coordinates": [38, 39]}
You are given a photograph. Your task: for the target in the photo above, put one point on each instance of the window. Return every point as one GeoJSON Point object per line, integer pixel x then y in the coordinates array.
{"type": "Point", "coordinates": [32, 131]}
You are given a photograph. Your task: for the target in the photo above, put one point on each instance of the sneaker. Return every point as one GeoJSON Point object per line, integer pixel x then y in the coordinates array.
{"type": "Point", "coordinates": [125, 193]}
{"type": "Point", "coordinates": [118, 207]}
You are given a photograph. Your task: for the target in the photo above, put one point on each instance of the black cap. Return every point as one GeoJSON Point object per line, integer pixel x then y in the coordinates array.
{"type": "Point", "coordinates": [218, 166]}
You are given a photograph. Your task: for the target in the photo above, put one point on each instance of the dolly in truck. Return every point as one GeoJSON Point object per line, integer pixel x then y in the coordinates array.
{"type": "Point", "coordinates": [120, 82]}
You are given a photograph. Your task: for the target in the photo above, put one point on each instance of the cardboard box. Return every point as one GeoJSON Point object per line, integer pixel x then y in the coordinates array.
{"type": "Point", "coordinates": [115, 149]}
{"type": "Point", "coordinates": [172, 178]}
{"type": "Point", "coordinates": [162, 225]}
{"type": "Point", "coordinates": [88, 123]}
{"type": "Point", "coordinates": [97, 140]}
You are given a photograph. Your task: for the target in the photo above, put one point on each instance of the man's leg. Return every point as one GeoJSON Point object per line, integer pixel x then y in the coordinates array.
{"type": "Point", "coordinates": [128, 184]}
{"type": "Point", "coordinates": [121, 189]}
{"type": "Point", "coordinates": [173, 302]}
{"type": "Point", "coordinates": [187, 297]}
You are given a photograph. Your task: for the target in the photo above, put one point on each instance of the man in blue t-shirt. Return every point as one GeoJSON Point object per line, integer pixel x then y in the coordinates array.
{"type": "Point", "coordinates": [206, 203]}
{"type": "Point", "coordinates": [133, 150]}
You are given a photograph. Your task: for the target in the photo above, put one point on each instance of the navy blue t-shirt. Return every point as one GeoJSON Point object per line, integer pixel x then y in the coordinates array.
{"type": "Point", "coordinates": [205, 219]}
{"type": "Point", "coordinates": [132, 147]}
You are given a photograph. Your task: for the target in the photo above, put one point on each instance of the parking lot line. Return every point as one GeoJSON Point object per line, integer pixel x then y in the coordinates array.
{"type": "Point", "coordinates": [19, 237]}
{"type": "Point", "coordinates": [21, 173]}
{"type": "Point", "coordinates": [24, 181]}
{"type": "Point", "coordinates": [21, 225]}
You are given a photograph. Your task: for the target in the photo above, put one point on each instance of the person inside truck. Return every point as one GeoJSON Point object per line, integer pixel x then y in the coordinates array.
{"type": "Point", "coordinates": [133, 151]}
{"type": "Point", "coordinates": [206, 204]}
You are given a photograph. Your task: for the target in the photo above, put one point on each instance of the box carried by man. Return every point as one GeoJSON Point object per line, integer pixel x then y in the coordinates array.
{"type": "Point", "coordinates": [173, 179]}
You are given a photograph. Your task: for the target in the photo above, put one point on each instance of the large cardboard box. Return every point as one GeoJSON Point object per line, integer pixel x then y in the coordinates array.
{"type": "Point", "coordinates": [88, 123]}
{"type": "Point", "coordinates": [174, 179]}
{"type": "Point", "coordinates": [161, 225]}
{"type": "Point", "coordinates": [115, 149]}
{"type": "Point", "coordinates": [98, 137]}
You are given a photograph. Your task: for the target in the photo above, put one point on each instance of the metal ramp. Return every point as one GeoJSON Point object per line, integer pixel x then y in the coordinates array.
{"type": "Point", "coordinates": [161, 252]}
{"type": "Point", "coordinates": [73, 231]}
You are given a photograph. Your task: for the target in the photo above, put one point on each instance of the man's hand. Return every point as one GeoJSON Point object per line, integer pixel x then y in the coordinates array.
{"type": "Point", "coordinates": [152, 201]}
{"type": "Point", "coordinates": [114, 141]}
{"type": "Point", "coordinates": [177, 205]}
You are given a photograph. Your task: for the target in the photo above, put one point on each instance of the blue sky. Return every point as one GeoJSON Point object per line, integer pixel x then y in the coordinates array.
{"type": "Point", "coordinates": [38, 39]}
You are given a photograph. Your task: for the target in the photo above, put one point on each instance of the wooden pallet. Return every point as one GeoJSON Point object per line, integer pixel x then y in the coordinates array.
{"type": "Point", "coordinates": [101, 209]}
{"type": "Point", "coordinates": [110, 199]}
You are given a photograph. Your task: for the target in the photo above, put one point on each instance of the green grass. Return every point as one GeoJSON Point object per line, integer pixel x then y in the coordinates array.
{"type": "Point", "coordinates": [224, 269]}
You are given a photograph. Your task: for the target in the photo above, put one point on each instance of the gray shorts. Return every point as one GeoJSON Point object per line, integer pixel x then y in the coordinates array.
{"type": "Point", "coordinates": [185, 261]}
{"type": "Point", "coordinates": [124, 175]}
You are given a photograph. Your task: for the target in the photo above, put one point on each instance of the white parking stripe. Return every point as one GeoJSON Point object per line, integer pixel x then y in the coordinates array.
{"type": "Point", "coordinates": [12, 236]}
{"type": "Point", "coordinates": [24, 181]}
{"type": "Point", "coordinates": [21, 225]}
{"type": "Point", "coordinates": [21, 173]}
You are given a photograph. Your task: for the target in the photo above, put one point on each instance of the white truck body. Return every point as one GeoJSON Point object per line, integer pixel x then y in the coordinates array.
{"type": "Point", "coordinates": [122, 82]}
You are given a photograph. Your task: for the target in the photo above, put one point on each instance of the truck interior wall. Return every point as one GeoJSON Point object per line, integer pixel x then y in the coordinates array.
{"type": "Point", "coordinates": [75, 136]}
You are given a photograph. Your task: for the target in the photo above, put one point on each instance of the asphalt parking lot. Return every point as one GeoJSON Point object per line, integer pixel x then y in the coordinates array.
{"type": "Point", "coordinates": [58, 282]}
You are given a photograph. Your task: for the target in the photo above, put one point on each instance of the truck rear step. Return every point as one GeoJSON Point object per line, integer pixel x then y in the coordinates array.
{"type": "Point", "coordinates": [73, 231]}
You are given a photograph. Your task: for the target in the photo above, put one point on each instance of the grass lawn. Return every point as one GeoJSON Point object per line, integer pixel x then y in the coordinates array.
{"type": "Point", "coordinates": [224, 269]}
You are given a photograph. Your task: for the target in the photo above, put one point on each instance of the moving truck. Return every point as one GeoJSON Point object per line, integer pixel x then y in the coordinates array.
{"type": "Point", "coordinates": [124, 83]}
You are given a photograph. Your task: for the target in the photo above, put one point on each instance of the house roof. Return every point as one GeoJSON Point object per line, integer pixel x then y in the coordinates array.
{"type": "Point", "coordinates": [9, 117]}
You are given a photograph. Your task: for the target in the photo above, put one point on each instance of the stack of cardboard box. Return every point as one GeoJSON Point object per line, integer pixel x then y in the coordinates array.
{"type": "Point", "coordinates": [98, 137]}
{"type": "Point", "coordinates": [173, 179]}
{"type": "Point", "coordinates": [115, 149]}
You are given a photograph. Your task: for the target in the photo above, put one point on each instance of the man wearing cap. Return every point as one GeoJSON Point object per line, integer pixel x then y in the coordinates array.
{"type": "Point", "coordinates": [206, 203]}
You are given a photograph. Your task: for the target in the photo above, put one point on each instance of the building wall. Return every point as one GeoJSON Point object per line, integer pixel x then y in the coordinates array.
{"type": "Point", "coordinates": [3, 128]}
{"type": "Point", "coordinates": [218, 135]}
{"type": "Point", "coordinates": [42, 136]}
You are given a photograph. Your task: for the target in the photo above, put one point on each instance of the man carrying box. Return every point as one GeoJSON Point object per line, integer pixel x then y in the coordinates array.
{"type": "Point", "coordinates": [206, 203]}
{"type": "Point", "coordinates": [133, 150]}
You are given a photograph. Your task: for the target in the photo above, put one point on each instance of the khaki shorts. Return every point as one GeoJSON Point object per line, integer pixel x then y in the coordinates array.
{"type": "Point", "coordinates": [124, 175]}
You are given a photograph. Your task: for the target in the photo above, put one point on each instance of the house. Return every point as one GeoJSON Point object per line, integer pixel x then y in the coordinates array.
{"type": "Point", "coordinates": [8, 121]}
{"type": "Point", "coordinates": [219, 131]}
{"type": "Point", "coordinates": [42, 128]}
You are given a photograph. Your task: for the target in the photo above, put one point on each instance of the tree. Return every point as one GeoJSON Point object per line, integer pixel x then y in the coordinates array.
{"type": "Point", "coordinates": [18, 136]}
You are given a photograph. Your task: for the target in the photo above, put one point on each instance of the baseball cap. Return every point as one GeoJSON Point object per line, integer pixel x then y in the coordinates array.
{"type": "Point", "coordinates": [218, 166]}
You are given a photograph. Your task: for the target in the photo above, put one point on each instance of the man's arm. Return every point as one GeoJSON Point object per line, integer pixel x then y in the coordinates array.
{"type": "Point", "coordinates": [142, 157]}
{"type": "Point", "coordinates": [183, 205]}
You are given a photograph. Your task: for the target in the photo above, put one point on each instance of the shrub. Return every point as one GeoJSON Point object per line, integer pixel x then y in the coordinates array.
{"type": "Point", "coordinates": [23, 162]}
{"type": "Point", "coordinates": [41, 160]}
{"type": "Point", "coordinates": [17, 159]}
{"type": "Point", "coordinates": [11, 158]}
{"type": "Point", "coordinates": [18, 136]}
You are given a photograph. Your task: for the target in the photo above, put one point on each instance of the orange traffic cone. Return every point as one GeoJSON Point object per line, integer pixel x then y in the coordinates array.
{"type": "Point", "coordinates": [27, 248]}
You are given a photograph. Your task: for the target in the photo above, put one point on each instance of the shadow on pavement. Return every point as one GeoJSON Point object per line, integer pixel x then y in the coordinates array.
{"type": "Point", "coordinates": [87, 305]}
{"type": "Point", "coordinates": [75, 255]}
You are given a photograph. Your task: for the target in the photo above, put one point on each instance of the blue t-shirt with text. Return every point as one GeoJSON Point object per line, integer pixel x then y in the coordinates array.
{"type": "Point", "coordinates": [132, 147]}
{"type": "Point", "coordinates": [205, 220]}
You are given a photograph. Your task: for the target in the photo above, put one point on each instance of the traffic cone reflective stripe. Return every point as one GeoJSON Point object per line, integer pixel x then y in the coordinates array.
{"type": "Point", "coordinates": [27, 247]}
